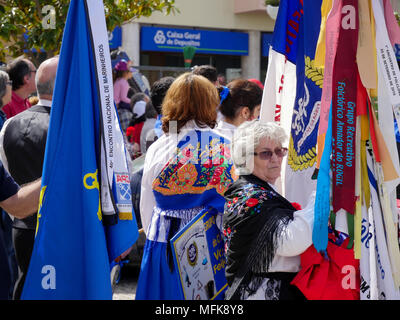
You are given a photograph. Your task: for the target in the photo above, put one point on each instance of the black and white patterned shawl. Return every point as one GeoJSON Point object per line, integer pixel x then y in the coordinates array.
{"type": "Point", "coordinates": [254, 217]}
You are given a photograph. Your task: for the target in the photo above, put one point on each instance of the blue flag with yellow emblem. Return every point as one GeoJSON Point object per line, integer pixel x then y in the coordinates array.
{"type": "Point", "coordinates": [302, 156]}
{"type": "Point", "coordinates": [85, 218]}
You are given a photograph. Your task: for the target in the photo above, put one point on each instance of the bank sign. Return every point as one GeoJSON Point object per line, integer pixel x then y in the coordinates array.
{"type": "Point", "coordinates": [211, 42]}
{"type": "Point", "coordinates": [115, 38]}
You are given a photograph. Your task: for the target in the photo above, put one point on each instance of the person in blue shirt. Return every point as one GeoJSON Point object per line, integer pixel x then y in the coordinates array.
{"type": "Point", "coordinates": [20, 202]}
{"type": "Point", "coordinates": [5, 221]}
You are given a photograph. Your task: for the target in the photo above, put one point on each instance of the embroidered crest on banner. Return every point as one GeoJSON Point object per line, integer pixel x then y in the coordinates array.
{"type": "Point", "coordinates": [123, 187]}
{"type": "Point", "coordinates": [302, 150]}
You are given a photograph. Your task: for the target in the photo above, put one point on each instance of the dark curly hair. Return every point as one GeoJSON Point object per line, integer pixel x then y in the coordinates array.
{"type": "Point", "coordinates": [159, 90]}
{"type": "Point", "coordinates": [206, 71]}
{"type": "Point", "coordinates": [17, 70]}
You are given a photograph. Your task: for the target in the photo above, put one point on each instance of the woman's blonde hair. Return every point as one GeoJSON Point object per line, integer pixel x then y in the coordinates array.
{"type": "Point", "coordinates": [190, 97]}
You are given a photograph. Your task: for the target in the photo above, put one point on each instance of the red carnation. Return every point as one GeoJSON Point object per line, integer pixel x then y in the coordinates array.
{"type": "Point", "coordinates": [251, 202]}
{"type": "Point", "coordinates": [215, 180]}
{"type": "Point", "coordinates": [296, 205]}
{"type": "Point", "coordinates": [188, 153]}
{"type": "Point", "coordinates": [208, 164]}
{"type": "Point", "coordinates": [219, 171]}
{"type": "Point", "coordinates": [218, 161]}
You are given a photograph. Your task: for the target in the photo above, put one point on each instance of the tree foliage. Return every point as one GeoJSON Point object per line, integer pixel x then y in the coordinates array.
{"type": "Point", "coordinates": [274, 3]}
{"type": "Point", "coordinates": [27, 24]}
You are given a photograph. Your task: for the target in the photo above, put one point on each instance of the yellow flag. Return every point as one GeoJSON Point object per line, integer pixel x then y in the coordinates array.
{"type": "Point", "coordinates": [319, 60]}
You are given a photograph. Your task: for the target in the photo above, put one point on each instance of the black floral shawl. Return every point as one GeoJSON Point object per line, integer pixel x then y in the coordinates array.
{"type": "Point", "coordinates": [254, 216]}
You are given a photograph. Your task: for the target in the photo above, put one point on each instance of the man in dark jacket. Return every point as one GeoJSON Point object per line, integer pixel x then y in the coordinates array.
{"type": "Point", "coordinates": [24, 145]}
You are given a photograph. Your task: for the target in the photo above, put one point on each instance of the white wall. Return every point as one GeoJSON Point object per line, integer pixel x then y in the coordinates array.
{"type": "Point", "coordinates": [395, 5]}
{"type": "Point", "coordinates": [209, 14]}
{"type": "Point", "coordinates": [251, 63]}
{"type": "Point", "coordinates": [131, 41]}
{"type": "Point", "coordinates": [212, 14]}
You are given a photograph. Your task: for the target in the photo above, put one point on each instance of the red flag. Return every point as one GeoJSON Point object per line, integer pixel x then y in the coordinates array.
{"type": "Point", "coordinates": [344, 99]}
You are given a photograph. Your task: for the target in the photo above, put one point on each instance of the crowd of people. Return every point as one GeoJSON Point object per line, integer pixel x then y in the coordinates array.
{"type": "Point", "coordinates": [202, 146]}
{"type": "Point", "coordinates": [22, 152]}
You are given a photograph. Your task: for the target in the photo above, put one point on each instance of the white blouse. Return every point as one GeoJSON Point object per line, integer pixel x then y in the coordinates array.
{"type": "Point", "coordinates": [225, 129]}
{"type": "Point", "coordinates": [295, 239]}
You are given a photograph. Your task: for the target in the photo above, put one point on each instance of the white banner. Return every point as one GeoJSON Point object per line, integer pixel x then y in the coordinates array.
{"type": "Point", "coordinates": [115, 178]}
{"type": "Point", "coordinates": [386, 59]}
{"type": "Point", "coordinates": [385, 279]}
{"type": "Point", "coordinates": [278, 98]}
{"type": "Point", "coordinates": [279, 91]}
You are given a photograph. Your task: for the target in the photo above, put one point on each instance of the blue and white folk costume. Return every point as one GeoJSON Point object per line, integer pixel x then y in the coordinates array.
{"type": "Point", "coordinates": [183, 174]}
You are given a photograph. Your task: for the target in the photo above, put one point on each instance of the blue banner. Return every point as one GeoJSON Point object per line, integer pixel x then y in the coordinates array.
{"type": "Point", "coordinates": [73, 249]}
{"type": "Point", "coordinates": [266, 42]}
{"type": "Point", "coordinates": [309, 85]}
{"type": "Point", "coordinates": [287, 28]}
{"type": "Point", "coordinates": [213, 42]}
{"type": "Point", "coordinates": [115, 38]}
{"type": "Point", "coordinates": [397, 51]}
{"type": "Point", "coordinates": [199, 258]}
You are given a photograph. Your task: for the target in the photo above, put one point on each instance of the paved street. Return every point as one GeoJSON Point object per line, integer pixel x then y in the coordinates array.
{"type": "Point", "coordinates": [126, 287]}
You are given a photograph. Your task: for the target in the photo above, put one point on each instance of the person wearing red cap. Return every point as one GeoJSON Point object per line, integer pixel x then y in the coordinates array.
{"type": "Point", "coordinates": [257, 82]}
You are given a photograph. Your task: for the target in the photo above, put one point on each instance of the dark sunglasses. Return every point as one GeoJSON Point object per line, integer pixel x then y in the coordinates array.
{"type": "Point", "coordinates": [266, 155]}
{"type": "Point", "coordinates": [9, 83]}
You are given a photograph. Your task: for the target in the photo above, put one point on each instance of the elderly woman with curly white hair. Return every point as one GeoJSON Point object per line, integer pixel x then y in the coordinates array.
{"type": "Point", "coordinates": [5, 94]}
{"type": "Point", "coordinates": [264, 233]}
